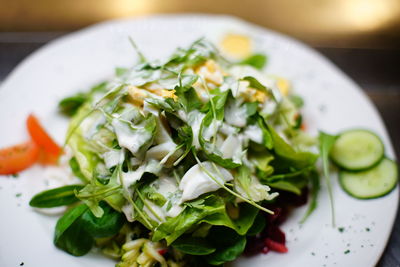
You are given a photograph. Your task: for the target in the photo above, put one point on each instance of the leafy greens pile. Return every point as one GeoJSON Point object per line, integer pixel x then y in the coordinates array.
{"type": "Point", "coordinates": [178, 158]}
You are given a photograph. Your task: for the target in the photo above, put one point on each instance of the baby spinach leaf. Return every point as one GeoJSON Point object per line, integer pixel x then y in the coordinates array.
{"type": "Point", "coordinates": [74, 165]}
{"type": "Point", "coordinates": [107, 225]}
{"type": "Point", "coordinates": [70, 105]}
{"type": "Point", "coordinates": [56, 197]}
{"type": "Point", "coordinates": [241, 225]}
{"type": "Point", "coordinates": [258, 225]}
{"type": "Point", "coordinates": [209, 209]}
{"type": "Point", "coordinates": [229, 245]}
{"type": "Point", "coordinates": [193, 245]}
{"type": "Point", "coordinates": [287, 156]}
{"type": "Point", "coordinates": [70, 234]}
{"type": "Point", "coordinates": [251, 108]}
{"type": "Point", "coordinates": [257, 61]}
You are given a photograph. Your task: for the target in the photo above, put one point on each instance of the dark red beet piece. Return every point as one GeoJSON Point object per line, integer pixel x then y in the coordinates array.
{"type": "Point", "coordinates": [265, 250]}
{"type": "Point", "coordinates": [276, 234]}
{"type": "Point", "coordinates": [254, 245]}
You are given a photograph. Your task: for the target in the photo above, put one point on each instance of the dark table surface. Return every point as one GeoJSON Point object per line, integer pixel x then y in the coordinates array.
{"type": "Point", "coordinates": [377, 71]}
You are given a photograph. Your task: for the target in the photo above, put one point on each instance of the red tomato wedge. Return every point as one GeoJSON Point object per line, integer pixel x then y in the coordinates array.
{"type": "Point", "coordinates": [47, 158]}
{"type": "Point", "coordinates": [18, 158]}
{"type": "Point", "coordinates": [41, 138]}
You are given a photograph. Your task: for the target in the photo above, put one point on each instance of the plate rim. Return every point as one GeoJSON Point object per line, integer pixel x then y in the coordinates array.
{"type": "Point", "coordinates": [71, 35]}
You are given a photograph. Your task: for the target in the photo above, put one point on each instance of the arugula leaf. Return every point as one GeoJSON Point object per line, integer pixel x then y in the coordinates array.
{"type": "Point", "coordinates": [257, 61]}
{"type": "Point", "coordinates": [209, 128]}
{"type": "Point", "coordinates": [167, 104]}
{"type": "Point", "coordinates": [315, 187]}
{"type": "Point", "coordinates": [188, 98]}
{"type": "Point", "coordinates": [285, 176]}
{"type": "Point", "coordinates": [291, 186]}
{"type": "Point", "coordinates": [107, 225]}
{"type": "Point", "coordinates": [56, 197]}
{"type": "Point", "coordinates": [69, 106]}
{"type": "Point", "coordinates": [193, 245]}
{"type": "Point", "coordinates": [254, 83]}
{"type": "Point", "coordinates": [95, 192]}
{"type": "Point", "coordinates": [267, 138]}
{"type": "Point", "coordinates": [326, 142]}
{"type": "Point", "coordinates": [70, 234]}
{"type": "Point", "coordinates": [151, 193]}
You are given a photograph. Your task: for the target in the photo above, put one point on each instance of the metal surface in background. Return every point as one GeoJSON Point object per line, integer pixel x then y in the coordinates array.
{"type": "Point", "coordinates": [333, 23]}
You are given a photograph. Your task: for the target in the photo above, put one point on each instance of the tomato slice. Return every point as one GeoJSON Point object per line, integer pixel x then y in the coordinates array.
{"type": "Point", "coordinates": [18, 158]}
{"type": "Point", "coordinates": [47, 158]}
{"type": "Point", "coordinates": [41, 138]}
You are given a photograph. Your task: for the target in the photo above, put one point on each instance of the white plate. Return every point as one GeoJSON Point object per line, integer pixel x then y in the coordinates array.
{"type": "Point", "coordinates": [78, 60]}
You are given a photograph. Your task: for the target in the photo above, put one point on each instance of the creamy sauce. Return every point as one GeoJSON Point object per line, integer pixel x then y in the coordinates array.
{"type": "Point", "coordinates": [232, 148]}
{"type": "Point", "coordinates": [235, 114]}
{"type": "Point", "coordinates": [113, 158]}
{"type": "Point", "coordinates": [254, 133]}
{"type": "Point", "coordinates": [194, 120]}
{"type": "Point", "coordinates": [196, 182]}
{"type": "Point", "coordinates": [129, 139]}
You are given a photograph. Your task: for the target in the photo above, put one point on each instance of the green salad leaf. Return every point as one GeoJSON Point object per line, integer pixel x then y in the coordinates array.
{"type": "Point", "coordinates": [70, 234]}
{"type": "Point", "coordinates": [257, 61]}
{"type": "Point", "coordinates": [56, 197]}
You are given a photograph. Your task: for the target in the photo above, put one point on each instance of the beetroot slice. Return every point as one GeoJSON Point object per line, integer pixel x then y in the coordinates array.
{"type": "Point", "coordinates": [276, 234]}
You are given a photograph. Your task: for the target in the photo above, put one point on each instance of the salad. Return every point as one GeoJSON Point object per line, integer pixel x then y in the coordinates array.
{"type": "Point", "coordinates": [195, 161]}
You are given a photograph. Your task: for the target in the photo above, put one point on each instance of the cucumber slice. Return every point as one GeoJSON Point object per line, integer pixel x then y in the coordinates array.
{"type": "Point", "coordinates": [372, 183]}
{"type": "Point", "coordinates": [357, 150]}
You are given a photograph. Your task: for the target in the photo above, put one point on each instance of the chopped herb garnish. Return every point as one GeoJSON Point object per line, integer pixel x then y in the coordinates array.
{"type": "Point", "coordinates": [347, 251]}
{"type": "Point", "coordinates": [341, 229]}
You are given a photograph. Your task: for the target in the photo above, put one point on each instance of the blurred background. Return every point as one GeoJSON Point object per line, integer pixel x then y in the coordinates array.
{"type": "Point", "coordinates": [362, 37]}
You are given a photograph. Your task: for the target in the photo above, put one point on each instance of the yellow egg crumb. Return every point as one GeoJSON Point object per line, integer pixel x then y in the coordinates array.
{"type": "Point", "coordinates": [168, 94]}
{"type": "Point", "coordinates": [236, 45]}
{"type": "Point", "coordinates": [136, 95]}
{"type": "Point", "coordinates": [211, 72]}
{"type": "Point", "coordinates": [283, 86]}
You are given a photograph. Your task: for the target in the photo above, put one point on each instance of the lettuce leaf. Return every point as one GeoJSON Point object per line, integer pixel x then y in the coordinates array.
{"type": "Point", "coordinates": [209, 209]}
